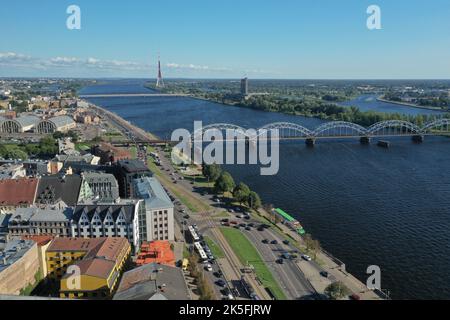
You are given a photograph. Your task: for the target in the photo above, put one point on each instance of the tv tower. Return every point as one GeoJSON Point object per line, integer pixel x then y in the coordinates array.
{"type": "Point", "coordinates": [159, 79]}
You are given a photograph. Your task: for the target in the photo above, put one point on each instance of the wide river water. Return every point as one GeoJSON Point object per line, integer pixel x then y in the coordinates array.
{"type": "Point", "coordinates": [367, 205]}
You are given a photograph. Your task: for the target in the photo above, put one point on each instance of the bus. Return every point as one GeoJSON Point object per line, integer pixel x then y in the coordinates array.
{"type": "Point", "coordinates": [200, 251]}
{"type": "Point", "coordinates": [185, 264]}
{"type": "Point", "coordinates": [194, 235]}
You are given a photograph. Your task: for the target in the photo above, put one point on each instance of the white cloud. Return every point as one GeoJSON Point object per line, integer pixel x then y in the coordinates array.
{"type": "Point", "coordinates": [98, 67]}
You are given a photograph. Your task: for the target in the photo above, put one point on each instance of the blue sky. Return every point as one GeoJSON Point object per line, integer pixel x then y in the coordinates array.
{"type": "Point", "coordinates": [301, 39]}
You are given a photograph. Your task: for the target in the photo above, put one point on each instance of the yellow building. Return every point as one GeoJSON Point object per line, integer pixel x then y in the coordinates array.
{"type": "Point", "coordinates": [87, 268]}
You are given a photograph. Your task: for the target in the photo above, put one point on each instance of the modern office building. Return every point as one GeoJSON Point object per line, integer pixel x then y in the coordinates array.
{"type": "Point", "coordinates": [244, 87]}
{"type": "Point", "coordinates": [158, 221]}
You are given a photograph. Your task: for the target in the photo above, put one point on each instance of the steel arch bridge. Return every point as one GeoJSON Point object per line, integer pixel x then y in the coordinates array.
{"type": "Point", "coordinates": [335, 129]}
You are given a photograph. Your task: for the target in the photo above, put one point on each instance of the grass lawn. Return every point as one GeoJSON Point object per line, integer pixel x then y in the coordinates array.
{"type": "Point", "coordinates": [215, 249]}
{"type": "Point", "coordinates": [133, 151]}
{"type": "Point", "coordinates": [247, 253]}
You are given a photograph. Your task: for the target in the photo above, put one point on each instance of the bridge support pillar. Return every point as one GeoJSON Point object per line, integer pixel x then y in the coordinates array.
{"type": "Point", "coordinates": [364, 140]}
{"type": "Point", "coordinates": [418, 138]}
{"type": "Point", "coordinates": [310, 142]}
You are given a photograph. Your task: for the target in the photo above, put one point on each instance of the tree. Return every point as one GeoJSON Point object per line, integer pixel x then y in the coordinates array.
{"type": "Point", "coordinates": [312, 244]}
{"type": "Point", "coordinates": [224, 183]}
{"type": "Point", "coordinates": [211, 171]}
{"type": "Point", "coordinates": [253, 200]}
{"type": "Point", "coordinates": [336, 290]}
{"type": "Point", "coordinates": [241, 193]}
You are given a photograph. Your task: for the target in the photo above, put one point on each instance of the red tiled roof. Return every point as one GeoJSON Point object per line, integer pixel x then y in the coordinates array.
{"type": "Point", "coordinates": [40, 240]}
{"type": "Point", "coordinates": [16, 192]}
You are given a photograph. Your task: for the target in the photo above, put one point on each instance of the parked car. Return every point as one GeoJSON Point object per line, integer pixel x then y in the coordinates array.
{"type": "Point", "coordinates": [279, 261]}
{"type": "Point", "coordinates": [248, 228]}
{"type": "Point", "coordinates": [274, 242]}
{"type": "Point", "coordinates": [247, 217]}
{"type": "Point", "coordinates": [324, 274]}
{"type": "Point", "coordinates": [225, 220]}
{"type": "Point", "coordinates": [218, 274]}
{"type": "Point", "coordinates": [265, 241]}
{"type": "Point", "coordinates": [208, 267]}
{"type": "Point", "coordinates": [286, 242]}
{"type": "Point", "coordinates": [221, 283]}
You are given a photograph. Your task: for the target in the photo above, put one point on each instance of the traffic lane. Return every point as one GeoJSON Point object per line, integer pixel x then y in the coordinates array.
{"type": "Point", "coordinates": [291, 276]}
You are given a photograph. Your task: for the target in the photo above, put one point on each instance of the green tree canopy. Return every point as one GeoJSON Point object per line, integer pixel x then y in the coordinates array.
{"type": "Point", "coordinates": [224, 183]}
{"type": "Point", "coordinates": [253, 200]}
{"type": "Point", "coordinates": [336, 290]}
{"type": "Point", "coordinates": [241, 192]}
{"type": "Point", "coordinates": [211, 171]}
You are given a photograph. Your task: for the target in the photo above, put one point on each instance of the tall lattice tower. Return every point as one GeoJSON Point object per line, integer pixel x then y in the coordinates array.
{"type": "Point", "coordinates": [159, 79]}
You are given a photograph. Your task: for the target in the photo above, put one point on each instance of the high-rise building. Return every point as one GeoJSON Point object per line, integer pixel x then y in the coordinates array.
{"type": "Point", "coordinates": [244, 86]}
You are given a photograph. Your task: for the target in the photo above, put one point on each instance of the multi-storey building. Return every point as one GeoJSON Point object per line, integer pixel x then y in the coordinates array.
{"type": "Point", "coordinates": [17, 193]}
{"type": "Point", "coordinates": [104, 186]}
{"type": "Point", "coordinates": [158, 221]}
{"type": "Point", "coordinates": [98, 264]}
{"type": "Point", "coordinates": [126, 172]}
{"type": "Point", "coordinates": [51, 220]}
{"type": "Point", "coordinates": [120, 219]}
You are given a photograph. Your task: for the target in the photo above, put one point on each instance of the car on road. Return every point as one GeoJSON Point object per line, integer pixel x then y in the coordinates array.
{"type": "Point", "coordinates": [260, 228]}
{"type": "Point", "coordinates": [274, 242]}
{"type": "Point", "coordinates": [265, 241]}
{"type": "Point", "coordinates": [225, 220]}
{"type": "Point", "coordinates": [279, 261]}
{"type": "Point", "coordinates": [248, 228]}
{"type": "Point", "coordinates": [324, 274]}
{"type": "Point", "coordinates": [286, 242]}
{"type": "Point", "coordinates": [225, 224]}
{"type": "Point", "coordinates": [208, 267]}
{"type": "Point", "coordinates": [243, 225]}
{"type": "Point", "coordinates": [233, 222]}
{"type": "Point", "coordinates": [285, 255]}
{"type": "Point", "coordinates": [187, 216]}
{"type": "Point", "coordinates": [306, 257]}
{"type": "Point", "coordinates": [251, 224]}
{"type": "Point", "coordinates": [221, 283]}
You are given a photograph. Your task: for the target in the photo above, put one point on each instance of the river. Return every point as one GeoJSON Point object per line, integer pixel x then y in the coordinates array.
{"type": "Point", "coordinates": [367, 205]}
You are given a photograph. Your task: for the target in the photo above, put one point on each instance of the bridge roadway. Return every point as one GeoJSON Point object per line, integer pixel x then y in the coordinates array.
{"type": "Point", "coordinates": [126, 95]}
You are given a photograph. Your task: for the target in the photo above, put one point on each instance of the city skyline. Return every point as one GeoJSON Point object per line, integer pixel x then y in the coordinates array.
{"type": "Point", "coordinates": [298, 40]}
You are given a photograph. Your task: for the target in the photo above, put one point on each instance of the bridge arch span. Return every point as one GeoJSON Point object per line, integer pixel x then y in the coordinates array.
{"type": "Point", "coordinates": [288, 127]}
{"type": "Point", "coordinates": [220, 127]}
{"type": "Point", "coordinates": [437, 124]}
{"type": "Point", "coordinates": [340, 129]}
{"type": "Point", "coordinates": [393, 124]}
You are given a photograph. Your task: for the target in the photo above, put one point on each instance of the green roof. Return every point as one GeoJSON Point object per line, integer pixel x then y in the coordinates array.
{"type": "Point", "coordinates": [284, 215]}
